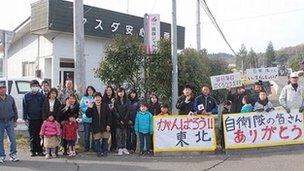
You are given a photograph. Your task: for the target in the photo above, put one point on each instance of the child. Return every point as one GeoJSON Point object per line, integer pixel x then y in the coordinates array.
{"type": "Point", "coordinates": [263, 104]}
{"type": "Point", "coordinates": [50, 132]}
{"type": "Point", "coordinates": [143, 128]}
{"type": "Point", "coordinates": [247, 107]}
{"type": "Point", "coordinates": [164, 110]}
{"type": "Point", "coordinates": [101, 121]}
{"type": "Point", "coordinates": [70, 134]}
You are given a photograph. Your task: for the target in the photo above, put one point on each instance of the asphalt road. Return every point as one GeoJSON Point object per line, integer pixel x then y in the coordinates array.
{"type": "Point", "coordinates": [288, 160]}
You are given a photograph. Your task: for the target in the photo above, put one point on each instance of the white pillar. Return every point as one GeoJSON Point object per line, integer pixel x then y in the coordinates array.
{"type": "Point", "coordinates": [55, 71]}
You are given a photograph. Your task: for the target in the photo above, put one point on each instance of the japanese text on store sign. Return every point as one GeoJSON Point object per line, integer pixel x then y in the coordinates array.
{"type": "Point", "coordinates": [265, 129]}
{"type": "Point", "coordinates": [226, 81]}
{"type": "Point", "coordinates": [186, 132]}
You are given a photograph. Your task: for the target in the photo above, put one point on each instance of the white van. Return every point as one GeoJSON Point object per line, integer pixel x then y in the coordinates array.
{"type": "Point", "coordinates": [17, 88]}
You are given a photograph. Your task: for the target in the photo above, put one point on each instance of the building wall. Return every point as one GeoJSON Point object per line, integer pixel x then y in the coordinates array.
{"type": "Point", "coordinates": [93, 51]}
{"type": "Point", "coordinates": [26, 50]}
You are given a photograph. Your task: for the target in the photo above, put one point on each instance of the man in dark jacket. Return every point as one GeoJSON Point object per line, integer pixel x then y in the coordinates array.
{"type": "Point", "coordinates": [257, 88]}
{"type": "Point", "coordinates": [236, 99]}
{"type": "Point", "coordinates": [204, 103]}
{"type": "Point", "coordinates": [185, 102]}
{"type": "Point", "coordinates": [32, 115]}
{"type": "Point", "coordinates": [8, 120]}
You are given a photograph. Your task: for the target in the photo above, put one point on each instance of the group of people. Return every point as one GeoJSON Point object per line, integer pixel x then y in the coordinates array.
{"type": "Point", "coordinates": [116, 118]}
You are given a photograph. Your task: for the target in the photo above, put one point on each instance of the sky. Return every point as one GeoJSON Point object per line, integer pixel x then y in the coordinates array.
{"type": "Point", "coordinates": [252, 22]}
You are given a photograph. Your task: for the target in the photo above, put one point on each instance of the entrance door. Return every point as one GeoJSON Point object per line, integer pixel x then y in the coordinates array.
{"type": "Point", "coordinates": [66, 74]}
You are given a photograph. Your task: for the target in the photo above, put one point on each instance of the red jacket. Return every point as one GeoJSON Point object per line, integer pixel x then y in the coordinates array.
{"type": "Point", "coordinates": [70, 130]}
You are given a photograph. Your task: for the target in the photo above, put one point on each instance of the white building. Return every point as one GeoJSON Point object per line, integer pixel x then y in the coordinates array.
{"type": "Point", "coordinates": [42, 46]}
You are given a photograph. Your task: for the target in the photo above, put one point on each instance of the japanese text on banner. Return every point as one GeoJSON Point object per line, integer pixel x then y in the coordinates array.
{"type": "Point", "coordinates": [226, 81]}
{"type": "Point", "coordinates": [184, 133]}
{"type": "Point", "coordinates": [263, 129]}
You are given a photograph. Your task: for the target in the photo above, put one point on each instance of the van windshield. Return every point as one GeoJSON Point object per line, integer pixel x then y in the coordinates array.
{"type": "Point", "coordinates": [23, 87]}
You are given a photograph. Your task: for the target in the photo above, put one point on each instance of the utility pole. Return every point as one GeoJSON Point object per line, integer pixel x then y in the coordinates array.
{"type": "Point", "coordinates": [79, 45]}
{"type": "Point", "coordinates": [198, 25]}
{"type": "Point", "coordinates": [174, 58]}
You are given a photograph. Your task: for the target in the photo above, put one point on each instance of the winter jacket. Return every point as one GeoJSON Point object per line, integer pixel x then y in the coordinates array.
{"type": "Point", "coordinates": [99, 121]}
{"type": "Point", "coordinates": [84, 102]}
{"type": "Point", "coordinates": [236, 101]}
{"type": "Point", "coordinates": [263, 106]}
{"type": "Point", "coordinates": [247, 108]}
{"type": "Point", "coordinates": [208, 102]}
{"type": "Point", "coordinates": [50, 128]}
{"type": "Point", "coordinates": [106, 100]}
{"type": "Point", "coordinates": [183, 107]}
{"type": "Point", "coordinates": [254, 97]}
{"type": "Point", "coordinates": [122, 113]}
{"type": "Point", "coordinates": [291, 98]}
{"type": "Point", "coordinates": [134, 107]}
{"type": "Point", "coordinates": [46, 109]}
{"type": "Point", "coordinates": [32, 106]}
{"type": "Point", "coordinates": [143, 123]}
{"type": "Point", "coordinates": [154, 108]}
{"type": "Point", "coordinates": [8, 109]}
{"type": "Point", "coordinates": [69, 130]}
{"type": "Point", "coordinates": [71, 111]}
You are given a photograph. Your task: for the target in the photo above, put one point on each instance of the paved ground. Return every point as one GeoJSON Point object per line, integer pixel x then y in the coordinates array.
{"type": "Point", "coordinates": [290, 160]}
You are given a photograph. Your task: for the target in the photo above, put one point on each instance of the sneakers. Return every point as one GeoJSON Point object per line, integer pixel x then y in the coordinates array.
{"type": "Point", "coordinates": [14, 158]}
{"type": "Point", "coordinates": [47, 156]}
{"type": "Point", "coordinates": [72, 154]}
{"type": "Point", "coordinates": [125, 151]}
{"type": "Point", "coordinates": [1, 159]}
{"type": "Point", "coordinates": [120, 152]}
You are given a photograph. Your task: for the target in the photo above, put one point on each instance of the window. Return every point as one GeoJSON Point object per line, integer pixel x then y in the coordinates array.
{"type": "Point", "coordinates": [23, 86]}
{"type": "Point", "coordinates": [28, 69]}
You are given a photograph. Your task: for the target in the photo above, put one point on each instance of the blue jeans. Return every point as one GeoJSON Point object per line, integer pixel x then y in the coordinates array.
{"type": "Point", "coordinates": [7, 126]}
{"type": "Point", "coordinates": [87, 131]}
{"type": "Point", "coordinates": [144, 141]}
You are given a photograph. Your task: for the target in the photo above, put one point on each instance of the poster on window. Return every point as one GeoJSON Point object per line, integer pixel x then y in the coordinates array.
{"type": "Point", "coordinates": [184, 133]}
{"type": "Point", "coordinates": [262, 129]}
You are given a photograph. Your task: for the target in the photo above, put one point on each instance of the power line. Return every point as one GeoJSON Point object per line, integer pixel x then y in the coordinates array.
{"type": "Point", "coordinates": [213, 20]}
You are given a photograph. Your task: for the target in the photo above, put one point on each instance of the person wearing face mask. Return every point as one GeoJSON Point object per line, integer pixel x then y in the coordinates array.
{"type": "Point", "coordinates": [291, 96]}
{"type": "Point", "coordinates": [236, 99]}
{"type": "Point", "coordinates": [32, 115]}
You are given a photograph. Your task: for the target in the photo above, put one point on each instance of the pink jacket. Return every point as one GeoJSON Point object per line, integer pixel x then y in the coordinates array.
{"type": "Point", "coordinates": [50, 128]}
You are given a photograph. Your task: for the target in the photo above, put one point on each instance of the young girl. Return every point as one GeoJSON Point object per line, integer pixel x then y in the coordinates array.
{"type": "Point", "coordinates": [263, 104]}
{"type": "Point", "coordinates": [70, 134]}
{"type": "Point", "coordinates": [50, 132]}
{"type": "Point", "coordinates": [164, 110]}
{"type": "Point", "coordinates": [134, 107]}
{"type": "Point", "coordinates": [121, 107]}
{"type": "Point", "coordinates": [69, 110]}
{"type": "Point", "coordinates": [144, 128]}
{"type": "Point", "coordinates": [247, 107]}
{"type": "Point", "coordinates": [85, 101]}
{"type": "Point", "coordinates": [101, 121]}
{"type": "Point", "coordinates": [154, 107]}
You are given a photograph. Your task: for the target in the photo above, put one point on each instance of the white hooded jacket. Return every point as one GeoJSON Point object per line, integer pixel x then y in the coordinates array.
{"type": "Point", "coordinates": [290, 98]}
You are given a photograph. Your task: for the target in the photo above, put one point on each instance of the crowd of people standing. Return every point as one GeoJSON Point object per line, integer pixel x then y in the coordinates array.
{"type": "Point", "coordinates": [114, 120]}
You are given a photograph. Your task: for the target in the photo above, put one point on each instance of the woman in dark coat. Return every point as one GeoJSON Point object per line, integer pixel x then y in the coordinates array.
{"type": "Point", "coordinates": [109, 99]}
{"type": "Point", "coordinates": [121, 109]}
{"type": "Point", "coordinates": [101, 124]}
{"type": "Point", "coordinates": [69, 109]}
{"type": "Point", "coordinates": [51, 105]}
